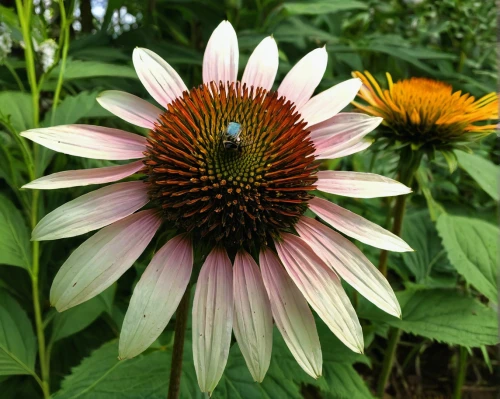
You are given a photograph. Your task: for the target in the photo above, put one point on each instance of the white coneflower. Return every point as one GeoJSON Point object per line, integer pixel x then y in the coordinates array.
{"type": "Point", "coordinates": [231, 165]}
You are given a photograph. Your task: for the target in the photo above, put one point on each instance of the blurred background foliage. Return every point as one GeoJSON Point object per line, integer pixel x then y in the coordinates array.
{"type": "Point", "coordinates": [447, 288]}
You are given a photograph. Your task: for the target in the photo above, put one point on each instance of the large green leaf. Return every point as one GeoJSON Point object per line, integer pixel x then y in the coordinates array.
{"type": "Point", "coordinates": [440, 314]}
{"type": "Point", "coordinates": [420, 233]}
{"type": "Point", "coordinates": [472, 248]}
{"type": "Point", "coordinates": [17, 109]}
{"type": "Point", "coordinates": [17, 341]}
{"type": "Point", "coordinates": [80, 317]}
{"type": "Point", "coordinates": [71, 109]}
{"type": "Point", "coordinates": [14, 237]}
{"type": "Point", "coordinates": [77, 69]}
{"type": "Point", "coordinates": [320, 7]}
{"type": "Point", "coordinates": [484, 172]}
{"type": "Point", "coordinates": [103, 376]}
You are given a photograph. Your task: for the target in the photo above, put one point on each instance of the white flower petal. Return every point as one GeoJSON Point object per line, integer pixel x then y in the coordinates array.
{"type": "Point", "coordinates": [291, 314]}
{"type": "Point", "coordinates": [346, 128]}
{"type": "Point", "coordinates": [262, 66]}
{"type": "Point", "coordinates": [130, 108]}
{"type": "Point", "coordinates": [92, 211]}
{"type": "Point", "coordinates": [89, 141]}
{"type": "Point", "coordinates": [357, 227]}
{"type": "Point", "coordinates": [212, 319]}
{"type": "Point", "coordinates": [299, 84]}
{"type": "Point", "coordinates": [156, 296]}
{"type": "Point", "coordinates": [102, 259]}
{"type": "Point", "coordinates": [220, 62]}
{"type": "Point", "coordinates": [350, 263]}
{"type": "Point", "coordinates": [253, 322]}
{"type": "Point", "coordinates": [341, 150]}
{"type": "Point", "coordinates": [84, 177]}
{"type": "Point", "coordinates": [359, 185]}
{"type": "Point", "coordinates": [330, 102]}
{"type": "Point", "coordinates": [322, 289]}
{"type": "Point", "coordinates": [161, 81]}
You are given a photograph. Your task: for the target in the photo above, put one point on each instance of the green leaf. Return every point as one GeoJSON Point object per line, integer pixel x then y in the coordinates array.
{"type": "Point", "coordinates": [440, 314]}
{"type": "Point", "coordinates": [17, 108]}
{"type": "Point", "coordinates": [80, 317]}
{"type": "Point", "coordinates": [484, 172]}
{"type": "Point", "coordinates": [71, 109]}
{"type": "Point", "coordinates": [320, 7]}
{"type": "Point", "coordinates": [103, 376]}
{"type": "Point", "coordinates": [14, 237]}
{"type": "Point", "coordinates": [420, 233]}
{"type": "Point", "coordinates": [17, 341]}
{"type": "Point", "coordinates": [472, 248]}
{"type": "Point", "coordinates": [77, 69]}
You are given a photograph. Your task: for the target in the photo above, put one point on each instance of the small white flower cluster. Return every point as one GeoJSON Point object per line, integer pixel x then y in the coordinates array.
{"type": "Point", "coordinates": [47, 52]}
{"type": "Point", "coordinates": [5, 42]}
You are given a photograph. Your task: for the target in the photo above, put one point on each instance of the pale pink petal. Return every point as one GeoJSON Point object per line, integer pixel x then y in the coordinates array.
{"type": "Point", "coordinates": [156, 296]}
{"type": "Point", "coordinates": [262, 66]}
{"type": "Point", "coordinates": [357, 227]}
{"type": "Point", "coordinates": [291, 314]}
{"type": "Point", "coordinates": [299, 84]}
{"type": "Point", "coordinates": [359, 185]}
{"type": "Point", "coordinates": [342, 151]}
{"type": "Point", "coordinates": [343, 128]}
{"type": "Point", "coordinates": [102, 259]}
{"type": "Point", "coordinates": [161, 81]}
{"type": "Point", "coordinates": [212, 319]}
{"type": "Point", "coordinates": [89, 141]}
{"type": "Point", "coordinates": [130, 108]}
{"type": "Point", "coordinates": [322, 289]}
{"type": "Point", "coordinates": [253, 322]}
{"type": "Point", "coordinates": [350, 263]}
{"type": "Point", "coordinates": [92, 211]}
{"type": "Point", "coordinates": [84, 177]}
{"type": "Point", "coordinates": [330, 102]}
{"type": "Point", "coordinates": [220, 62]}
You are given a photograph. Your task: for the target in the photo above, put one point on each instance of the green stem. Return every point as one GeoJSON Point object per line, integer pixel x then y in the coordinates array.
{"type": "Point", "coordinates": [64, 39]}
{"type": "Point", "coordinates": [15, 75]}
{"type": "Point", "coordinates": [462, 369]}
{"type": "Point", "coordinates": [408, 165]}
{"type": "Point", "coordinates": [24, 14]}
{"type": "Point", "coordinates": [390, 352]}
{"type": "Point", "coordinates": [181, 317]}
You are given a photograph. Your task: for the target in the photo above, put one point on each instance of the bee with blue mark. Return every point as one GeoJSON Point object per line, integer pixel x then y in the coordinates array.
{"type": "Point", "coordinates": [231, 136]}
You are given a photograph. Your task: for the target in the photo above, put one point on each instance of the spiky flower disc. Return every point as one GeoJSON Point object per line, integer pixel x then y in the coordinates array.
{"type": "Point", "coordinates": [239, 197]}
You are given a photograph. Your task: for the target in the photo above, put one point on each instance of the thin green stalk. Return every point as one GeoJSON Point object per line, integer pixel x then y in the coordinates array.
{"type": "Point", "coordinates": [24, 14]}
{"type": "Point", "coordinates": [65, 40]}
{"type": "Point", "coordinates": [408, 166]}
{"type": "Point", "coordinates": [390, 352]}
{"type": "Point", "coordinates": [181, 316]}
{"type": "Point", "coordinates": [14, 75]}
{"type": "Point", "coordinates": [462, 369]}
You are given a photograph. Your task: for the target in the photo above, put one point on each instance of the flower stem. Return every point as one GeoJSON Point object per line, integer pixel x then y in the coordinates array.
{"type": "Point", "coordinates": [408, 165]}
{"type": "Point", "coordinates": [181, 317]}
{"type": "Point", "coordinates": [24, 14]}
{"type": "Point", "coordinates": [462, 368]}
{"type": "Point", "coordinates": [64, 40]}
{"type": "Point", "coordinates": [390, 352]}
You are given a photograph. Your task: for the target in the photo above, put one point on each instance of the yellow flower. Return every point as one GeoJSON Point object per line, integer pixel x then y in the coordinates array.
{"type": "Point", "coordinates": [427, 113]}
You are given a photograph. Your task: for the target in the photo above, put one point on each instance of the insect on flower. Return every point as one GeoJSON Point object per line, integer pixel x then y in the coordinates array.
{"type": "Point", "coordinates": [231, 136]}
